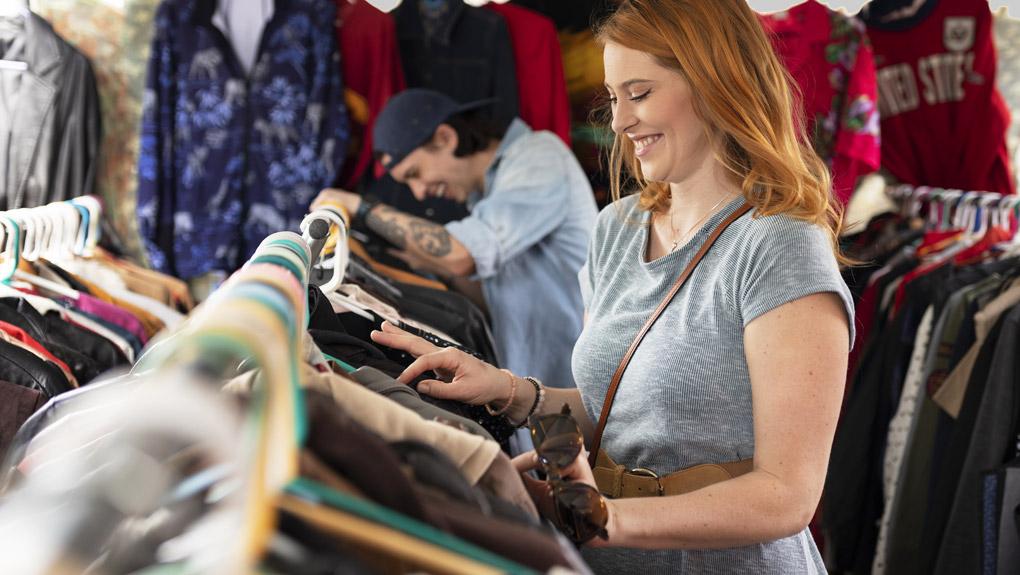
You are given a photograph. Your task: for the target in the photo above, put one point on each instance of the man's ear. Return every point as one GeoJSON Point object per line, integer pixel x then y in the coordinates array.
{"type": "Point", "coordinates": [445, 138]}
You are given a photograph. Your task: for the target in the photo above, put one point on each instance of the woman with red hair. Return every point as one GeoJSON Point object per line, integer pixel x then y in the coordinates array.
{"type": "Point", "coordinates": [711, 367]}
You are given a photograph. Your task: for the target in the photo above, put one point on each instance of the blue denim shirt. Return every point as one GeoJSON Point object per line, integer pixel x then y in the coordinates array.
{"type": "Point", "coordinates": [528, 233]}
{"type": "Point", "coordinates": [227, 158]}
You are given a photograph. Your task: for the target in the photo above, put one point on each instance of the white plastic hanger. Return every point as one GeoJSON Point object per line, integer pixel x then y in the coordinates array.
{"type": "Point", "coordinates": [94, 229]}
{"type": "Point", "coordinates": [338, 263]}
{"type": "Point", "coordinates": [35, 228]}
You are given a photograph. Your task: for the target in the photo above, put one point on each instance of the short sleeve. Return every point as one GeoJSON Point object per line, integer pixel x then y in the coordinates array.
{"type": "Point", "coordinates": [790, 259]}
{"type": "Point", "coordinates": [587, 282]}
{"type": "Point", "coordinates": [525, 203]}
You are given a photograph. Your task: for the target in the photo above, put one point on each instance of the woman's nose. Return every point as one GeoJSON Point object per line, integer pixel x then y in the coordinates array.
{"type": "Point", "coordinates": [623, 117]}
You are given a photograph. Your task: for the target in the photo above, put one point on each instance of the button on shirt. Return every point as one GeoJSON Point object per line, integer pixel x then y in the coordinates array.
{"type": "Point", "coordinates": [528, 233]}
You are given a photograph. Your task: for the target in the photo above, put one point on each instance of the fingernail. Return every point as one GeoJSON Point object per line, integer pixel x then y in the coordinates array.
{"type": "Point", "coordinates": [423, 387]}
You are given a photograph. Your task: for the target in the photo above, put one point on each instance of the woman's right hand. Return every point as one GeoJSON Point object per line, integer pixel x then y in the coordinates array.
{"type": "Point", "coordinates": [463, 377]}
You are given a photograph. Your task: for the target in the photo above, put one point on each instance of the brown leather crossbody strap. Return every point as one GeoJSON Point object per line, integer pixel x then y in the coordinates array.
{"type": "Point", "coordinates": [615, 382]}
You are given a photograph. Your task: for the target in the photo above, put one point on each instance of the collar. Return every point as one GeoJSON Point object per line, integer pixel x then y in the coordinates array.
{"type": "Point", "coordinates": [41, 50]}
{"type": "Point", "coordinates": [202, 10]}
{"type": "Point", "coordinates": [514, 132]}
{"type": "Point", "coordinates": [808, 20]}
{"type": "Point", "coordinates": [411, 14]}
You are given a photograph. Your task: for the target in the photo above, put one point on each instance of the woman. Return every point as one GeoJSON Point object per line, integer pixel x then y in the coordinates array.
{"type": "Point", "coordinates": [748, 360]}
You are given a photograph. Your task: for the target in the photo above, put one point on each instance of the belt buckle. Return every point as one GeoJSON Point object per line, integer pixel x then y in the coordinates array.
{"type": "Point", "coordinates": [645, 472]}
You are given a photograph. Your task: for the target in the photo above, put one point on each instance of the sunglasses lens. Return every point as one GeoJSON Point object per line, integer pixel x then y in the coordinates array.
{"type": "Point", "coordinates": [581, 511]}
{"type": "Point", "coordinates": [557, 439]}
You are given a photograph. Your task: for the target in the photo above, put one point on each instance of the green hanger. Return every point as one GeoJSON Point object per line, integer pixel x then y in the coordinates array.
{"type": "Point", "coordinates": [13, 238]}
{"type": "Point", "coordinates": [316, 492]}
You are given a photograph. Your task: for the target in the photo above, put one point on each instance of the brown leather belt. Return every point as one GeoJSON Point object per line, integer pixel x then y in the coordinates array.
{"type": "Point", "coordinates": [616, 481]}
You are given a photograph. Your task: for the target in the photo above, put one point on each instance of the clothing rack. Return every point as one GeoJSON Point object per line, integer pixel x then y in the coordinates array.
{"type": "Point", "coordinates": [258, 315]}
{"type": "Point", "coordinates": [959, 208]}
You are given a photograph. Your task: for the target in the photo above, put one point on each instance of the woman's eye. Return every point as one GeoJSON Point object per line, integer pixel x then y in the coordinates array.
{"type": "Point", "coordinates": [640, 97]}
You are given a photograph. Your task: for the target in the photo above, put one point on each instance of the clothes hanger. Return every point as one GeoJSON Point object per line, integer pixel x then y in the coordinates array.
{"type": "Point", "coordinates": [94, 224]}
{"type": "Point", "coordinates": [341, 256]}
{"type": "Point", "coordinates": [35, 228]}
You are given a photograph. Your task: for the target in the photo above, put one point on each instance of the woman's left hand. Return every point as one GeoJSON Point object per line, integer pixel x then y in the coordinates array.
{"type": "Point", "coordinates": [579, 471]}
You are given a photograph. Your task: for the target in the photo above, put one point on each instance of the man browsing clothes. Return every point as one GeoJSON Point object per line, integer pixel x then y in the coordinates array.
{"type": "Point", "coordinates": [531, 212]}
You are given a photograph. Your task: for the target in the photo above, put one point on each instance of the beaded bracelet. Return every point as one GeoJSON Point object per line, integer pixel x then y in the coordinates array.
{"type": "Point", "coordinates": [539, 398]}
{"type": "Point", "coordinates": [510, 400]}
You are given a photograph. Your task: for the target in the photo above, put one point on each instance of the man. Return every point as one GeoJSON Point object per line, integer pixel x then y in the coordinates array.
{"type": "Point", "coordinates": [531, 212]}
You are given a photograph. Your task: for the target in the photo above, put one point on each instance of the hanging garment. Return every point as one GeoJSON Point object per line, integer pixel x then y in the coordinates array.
{"type": "Point", "coordinates": [17, 404]}
{"type": "Point", "coordinates": [829, 57]}
{"type": "Point", "coordinates": [228, 158]}
{"type": "Point", "coordinates": [993, 436]}
{"type": "Point", "coordinates": [943, 120]}
{"type": "Point", "coordinates": [50, 126]}
{"type": "Point", "coordinates": [541, 86]}
{"type": "Point", "coordinates": [465, 53]}
{"type": "Point", "coordinates": [242, 22]}
{"type": "Point", "coordinates": [372, 75]}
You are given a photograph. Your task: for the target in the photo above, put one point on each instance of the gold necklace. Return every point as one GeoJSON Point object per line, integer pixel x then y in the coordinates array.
{"type": "Point", "coordinates": [676, 242]}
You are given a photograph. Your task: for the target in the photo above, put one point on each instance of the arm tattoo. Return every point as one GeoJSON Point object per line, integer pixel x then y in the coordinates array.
{"type": "Point", "coordinates": [433, 239]}
{"type": "Point", "coordinates": [429, 238]}
{"type": "Point", "coordinates": [383, 221]}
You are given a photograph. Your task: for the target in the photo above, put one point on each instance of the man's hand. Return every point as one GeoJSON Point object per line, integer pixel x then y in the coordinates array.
{"type": "Point", "coordinates": [350, 201]}
{"type": "Point", "coordinates": [424, 245]}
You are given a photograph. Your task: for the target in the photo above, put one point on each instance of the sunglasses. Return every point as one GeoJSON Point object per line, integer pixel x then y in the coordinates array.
{"type": "Point", "coordinates": [579, 509]}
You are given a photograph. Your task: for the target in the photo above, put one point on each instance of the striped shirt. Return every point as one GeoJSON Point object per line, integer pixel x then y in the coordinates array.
{"type": "Point", "coordinates": [685, 398]}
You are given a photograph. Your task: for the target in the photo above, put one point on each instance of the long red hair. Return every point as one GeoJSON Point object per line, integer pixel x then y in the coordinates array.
{"type": "Point", "coordinates": [742, 93]}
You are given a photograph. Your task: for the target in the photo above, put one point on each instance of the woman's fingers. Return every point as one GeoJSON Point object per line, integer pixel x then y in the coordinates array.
{"type": "Point", "coordinates": [396, 338]}
{"type": "Point", "coordinates": [447, 359]}
{"type": "Point", "coordinates": [437, 389]}
{"type": "Point", "coordinates": [525, 462]}
{"type": "Point", "coordinates": [580, 470]}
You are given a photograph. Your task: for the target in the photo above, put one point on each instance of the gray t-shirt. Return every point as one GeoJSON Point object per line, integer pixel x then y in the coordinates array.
{"type": "Point", "coordinates": [685, 398]}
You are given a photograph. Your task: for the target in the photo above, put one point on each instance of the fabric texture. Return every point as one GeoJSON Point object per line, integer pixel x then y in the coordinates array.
{"type": "Point", "coordinates": [687, 401]}
{"type": "Point", "coordinates": [406, 396]}
{"type": "Point", "coordinates": [473, 455]}
{"type": "Point", "coordinates": [541, 85]}
{"type": "Point", "coordinates": [900, 429]}
{"type": "Point", "coordinates": [950, 395]}
{"type": "Point", "coordinates": [830, 58]}
{"type": "Point", "coordinates": [20, 366]}
{"type": "Point", "coordinates": [463, 52]}
{"type": "Point", "coordinates": [17, 404]}
{"type": "Point", "coordinates": [528, 233]}
{"type": "Point", "coordinates": [372, 71]}
{"type": "Point", "coordinates": [992, 438]}
{"type": "Point", "coordinates": [936, 80]}
{"type": "Point", "coordinates": [226, 158]}
{"type": "Point", "coordinates": [50, 125]}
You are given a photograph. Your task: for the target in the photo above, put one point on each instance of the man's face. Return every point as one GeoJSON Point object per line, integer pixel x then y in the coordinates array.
{"type": "Point", "coordinates": [432, 171]}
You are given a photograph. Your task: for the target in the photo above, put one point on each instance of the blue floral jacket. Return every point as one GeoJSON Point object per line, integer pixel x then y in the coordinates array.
{"type": "Point", "coordinates": [227, 158]}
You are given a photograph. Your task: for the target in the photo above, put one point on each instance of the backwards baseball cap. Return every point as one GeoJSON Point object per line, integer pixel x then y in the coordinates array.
{"type": "Point", "coordinates": [410, 118]}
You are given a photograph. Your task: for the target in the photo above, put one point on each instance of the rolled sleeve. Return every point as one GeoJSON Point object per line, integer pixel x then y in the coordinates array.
{"type": "Point", "coordinates": [526, 202]}
{"type": "Point", "coordinates": [479, 240]}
